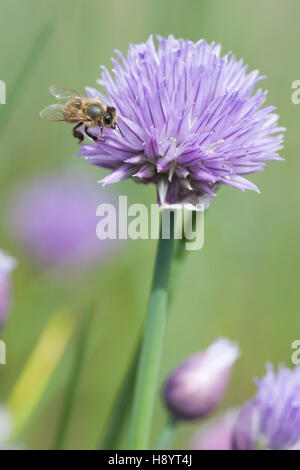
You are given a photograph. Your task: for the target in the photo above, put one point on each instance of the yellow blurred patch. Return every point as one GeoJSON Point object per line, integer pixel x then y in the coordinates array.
{"type": "Point", "coordinates": [40, 367]}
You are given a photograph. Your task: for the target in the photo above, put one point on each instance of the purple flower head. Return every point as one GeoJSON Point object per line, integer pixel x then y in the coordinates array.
{"type": "Point", "coordinates": [5, 427]}
{"type": "Point", "coordinates": [7, 264]}
{"type": "Point", "coordinates": [54, 218]}
{"type": "Point", "coordinates": [217, 434]}
{"type": "Point", "coordinates": [271, 420]}
{"type": "Point", "coordinates": [191, 121]}
{"type": "Point", "coordinates": [198, 385]}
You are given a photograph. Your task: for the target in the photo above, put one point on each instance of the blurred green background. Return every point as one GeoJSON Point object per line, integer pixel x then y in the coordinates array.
{"type": "Point", "coordinates": [244, 284]}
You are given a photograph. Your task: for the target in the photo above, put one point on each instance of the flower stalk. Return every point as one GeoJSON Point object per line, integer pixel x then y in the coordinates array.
{"type": "Point", "coordinates": [120, 410]}
{"type": "Point", "coordinates": [167, 434]}
{"type": "Point", "coordinates": [148, 367]}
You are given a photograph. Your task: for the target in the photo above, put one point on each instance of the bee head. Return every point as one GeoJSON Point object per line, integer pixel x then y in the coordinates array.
{"type": "Point", "coordinates": [110, 117]}
{"type": "Point", "coordinates": [94, 111]}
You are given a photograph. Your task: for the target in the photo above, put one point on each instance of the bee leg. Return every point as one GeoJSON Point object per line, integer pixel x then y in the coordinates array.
{"type": "Point", "coordinates": [78, 134]}
{"type": "Point", "coordinates": [101, 132]}
{"type": "Point", "coordinates": [94, 137]}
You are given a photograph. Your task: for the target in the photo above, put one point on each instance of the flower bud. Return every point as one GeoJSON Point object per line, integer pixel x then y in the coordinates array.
{"type": "Point", "coordinates": [271, 420]}
{"type": "Point", "coordinates": [197, 386]}
{"type": "Point", "coordinates": [7, 264]}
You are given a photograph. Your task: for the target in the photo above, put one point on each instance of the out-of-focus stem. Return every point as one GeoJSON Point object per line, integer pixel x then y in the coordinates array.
{"type": "Point", "coordinates": [166, 434]}
{"type": "Point", "coordinates": [72, 387]}
{"type": "Point", "coordinates": [119, 412]}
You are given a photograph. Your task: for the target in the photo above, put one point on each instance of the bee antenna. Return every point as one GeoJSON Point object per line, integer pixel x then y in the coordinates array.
{"type": "Point", "coordinates": [120, 130]}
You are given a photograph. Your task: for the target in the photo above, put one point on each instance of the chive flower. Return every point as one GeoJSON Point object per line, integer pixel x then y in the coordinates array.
{"type": "Point", "coordinates": [53, 218]}
{"type": "Point", "coordinates": [7, 264]}
{"type": "Point", "coordinates": [216, 434]}
{"type": "Point", "coordinates": [192, 120]}
{"type": "Point", "coordinates": [198, 385]}
{"type": "Point", "coordinates": [271, 420]}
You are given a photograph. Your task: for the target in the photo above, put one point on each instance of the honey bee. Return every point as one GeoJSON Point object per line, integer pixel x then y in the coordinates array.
{"type": "Point", "coordinates": [82, 111]}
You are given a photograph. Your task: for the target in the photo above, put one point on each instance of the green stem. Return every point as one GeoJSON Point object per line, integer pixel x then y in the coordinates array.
{"type": "Point", "coordinates": [118, 415]}
{"type": "Point", "coordinates": [179, 258]}
{"type": "Point", "coordinates": [167, 434]}
{"type": "Point", "coordinates": [72, 387]}
{"type": "Point", "coordinates": [148, 367]}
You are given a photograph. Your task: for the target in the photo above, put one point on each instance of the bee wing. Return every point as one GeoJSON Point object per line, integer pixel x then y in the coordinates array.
{"type": "Point", "coordinates": [54, 112]}
{"type": "Point", "coordinates": [62, 93]}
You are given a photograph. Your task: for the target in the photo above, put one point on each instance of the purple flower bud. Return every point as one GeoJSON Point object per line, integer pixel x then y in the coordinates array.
{"type": "Point", "coordinates": [197, 386]}
{"type": "Point", "coordinates": [271, 420]}
{"type": "Point", "coordinates": [216, 435]}
{"type": "Point", "coordinates": [7, 264]}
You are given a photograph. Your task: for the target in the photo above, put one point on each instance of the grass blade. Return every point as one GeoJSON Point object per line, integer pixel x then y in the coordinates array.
{"type": "Point", "coordinates": [72, 387]}
{"type": "Point", "coordinates": [14, 91]}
